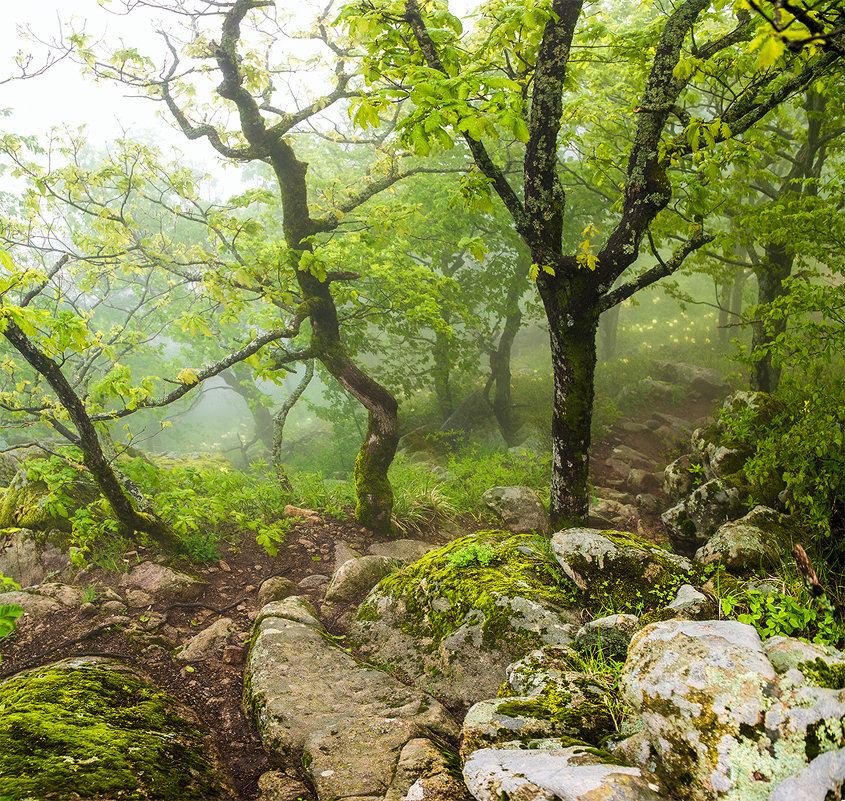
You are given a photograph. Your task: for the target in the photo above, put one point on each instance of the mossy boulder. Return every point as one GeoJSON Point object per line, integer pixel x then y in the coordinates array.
{"type": "Point", "coordinates": [28, 556]}
{"type": "Point", "coordinates": [30, 503]}
{"type": "Point", "coordinates": [88, 728]}
{"type": "Point", "coordinates": [760, 540]}
{"type": "Point", "coordinates": [720, 722]}
{"type": "Point", "coordinates": [619, 572]}
{"type": "Point", "coordinates": [455, 619]}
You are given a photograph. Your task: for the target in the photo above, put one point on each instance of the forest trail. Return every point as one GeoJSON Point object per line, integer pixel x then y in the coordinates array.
{"type": "Point", "coordinates": [147, 636]}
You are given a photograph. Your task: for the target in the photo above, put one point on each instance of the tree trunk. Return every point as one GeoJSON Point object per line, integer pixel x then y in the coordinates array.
{"type": "Point", "coordinates": [573, 322]}
{"type": "Point", "coordinates": [608, 328]}
{"type": "Point", "coordinates": [241, 382]}
{"type": "Point", "coordinates": [374, 494]}
{"type": "Point", "coordinates": [280, 419]}
{"type": "Point", "coordinates": [440, 373]}
{"type": "Point", "coordinates": [776, 266]}
{"type": "Point", "coordinates": [500, 366]}
{"type": "Point", "coordinates": [122, 499]}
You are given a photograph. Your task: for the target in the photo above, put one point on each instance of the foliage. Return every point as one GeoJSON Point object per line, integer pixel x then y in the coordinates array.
{"type": "Point", "coordinates": [472, 554]}
{"type": "Point", "coordinates": [9, 613]}
{"type": "Point", "coordinates": [780, 614]}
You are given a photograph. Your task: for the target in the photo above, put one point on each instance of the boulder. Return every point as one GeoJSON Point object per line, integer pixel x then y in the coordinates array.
{"type": "Point", "coordinates": [31, 602]}
{"type": "Point", "coordinates": [274, 785]}
{"type": "Point", "coordinates": [608, 635]}
{"type": "Point", "coordinates": [617, 570]}
{"type": "Point", "coordinates": [455, 619]}
{"type": "Point", "coordinates": [405, 550]}
{"type": "Point", "coordinates": [160, 583]}
{"type": "Point", "coordinates": [699, 515]}
{"type": "Point", "coordinates": [275, 588]}
{"type": "Point", "coordinates": [720, 723]}
{"type": "Point", "coordinates": [822, 780]}
{"type": "Point", "coordinates": [356, 577]}
{"type": "Point", "coordinates": [28, 556]}
{"type": "Point", "coordinates": [313, 704]}
{"type": "Point", "coordinates": [573, 773]}
{"type": "Point", "coordinates": [91, 728]}
{"type": "Point", "coordinates": [207, 642]}
{"type": "Point", "coordinates": [519, 508]}
{"type": "Point", "coordinates": [760, 539]}
{"type": "Point", "coordinates": [706, 381]}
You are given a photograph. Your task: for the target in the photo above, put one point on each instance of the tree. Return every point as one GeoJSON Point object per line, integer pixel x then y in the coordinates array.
{"type": "Point", "coordinates": [263, 132]}
{"type": "Point", "coordinates": [512, 74]}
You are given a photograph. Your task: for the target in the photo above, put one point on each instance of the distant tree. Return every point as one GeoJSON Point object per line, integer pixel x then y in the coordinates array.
{"type": "Point", "coordinates": [512, 75]}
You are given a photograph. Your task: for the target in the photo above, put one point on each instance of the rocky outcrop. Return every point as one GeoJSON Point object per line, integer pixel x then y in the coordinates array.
{"type": "Point", "coordinates": [28, 556]}
{"type": "Point", "coordinates": [351, 725]}
{"type": "Point", "coordinates": [455, 619]}
{"type": "Point", "coordinates": [89, 728]}
{"type": "Point", "coordinates": [149, 582]}
{"type": "Point", "coordinates": [519, 508]}
{"type": "Point", "coordinates": [617, 570]}
{"type": "Point", "coordinates": [720, 721]}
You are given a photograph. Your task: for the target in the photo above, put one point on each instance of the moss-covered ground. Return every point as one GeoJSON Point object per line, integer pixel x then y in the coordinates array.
{"type": "Point", "coordinates": [89, 732]}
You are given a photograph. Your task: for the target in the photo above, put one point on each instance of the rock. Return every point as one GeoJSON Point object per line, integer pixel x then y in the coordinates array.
{"type": "Point", "coordinates": [689, 602]}
{"type": "Point", "coordinates": [275, 588]}
{"type": "Point", "coordinates": [357, 577]}
{"type": "Point", "coordinates": [455, 619]}
{"type": "Point", "coordinates": [307, 515]}
{"type": "Point", "coordinates": [787, 653]}
{"type": "Point", "coordinates": [574, 773]}
{"type": "Point", "coordinates": [31, 602]}
{"type": "Point", "coordinates": [822, 780]}
{"type": "Point", "coordinates": [425, 443]}
{"type": "Point", "coordinates": [520, 508]}
{"type": "Point", "coordinates": [616, 514]}
{"type": "Point", "coordinates": [758, 540]}
{"type": "Point", "coordinates": [161, 583]}
{"type": "Point", "coordinates": [679, 477]}
{"type": "Point", "coordinates": [708, 382]}
{"type": "Point", "coordinates": [617, 570]}
{"type": "Point", "coordinates": [648, 390]}
{"type": "Point", "coordinates": [608, 635]}
{"type": "Point", "coordinates": [625, 453]}
{"type": "Point", "coordinates": [316, 582]}
{"type": "Point", "coordinates": [701, 513]}
{"type": "Point", "coordinates": [424, 772]}
{"type": "Point", "coordinates": [642, 480]}
{"type": "Point", "coordinates": [406, 551]}
{"type": "Point", "coordinates": [719, 721]}
{"type": "Point", "coordinates": [28, 556]}
{"type": "Point", "coordinates": [648, 504]}
{"type": "Point", "coordinates": [24, 503]}
{"type": "Point", "coordinates": [343, 553]}
{"type": "Point", "coordinates": [113, 607]}
{"type": "Point", "coordinates": [96, 729]}
{"type": "Point", "coordinates": [314, 703]}
{"type": "Point", "coordinates": [233, 654]}
{"type": "Point", "coordinates": [203, 645]}
{"type": "Point", "coordinates": [276, 786]}
{"type": "Point", "coordinates": [65, 594]}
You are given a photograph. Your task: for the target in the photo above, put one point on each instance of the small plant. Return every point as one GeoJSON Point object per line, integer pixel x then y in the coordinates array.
{"type": "Point", "coordinates": [9, 613]}
{"type": "Point", "coordinates": [473, 554]}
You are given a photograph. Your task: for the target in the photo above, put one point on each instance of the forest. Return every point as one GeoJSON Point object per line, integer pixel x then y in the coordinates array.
{"type": "Point", "coordinates": [481, 353]}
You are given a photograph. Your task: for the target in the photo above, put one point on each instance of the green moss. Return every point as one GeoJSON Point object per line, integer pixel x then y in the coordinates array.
{"type": "Point", "coordinates": [89, 732]}
{"type": "Point", "coordinates": [590, 719]}
{"type": "Point", "coordinates": [658, 616]}
{"type": "Point", "coordinates": [520, 567]}
{"type": "Point", "coordinates": [642, 576]}
{"type": "Point", "coordinates": [823, 674]}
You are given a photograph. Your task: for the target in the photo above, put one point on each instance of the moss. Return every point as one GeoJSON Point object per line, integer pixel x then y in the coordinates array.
{"type": "Point", "coordinates": [823, 674]}
{"type": "Point", "coordinates": [521, 569]}
{"type": "Point", "coordinates": [642, 577]}
{"type": "Point", "coordinates": [589, 718]}
{"type": "Point", "coordinates": [658, 616]}
{"type": "Point", "coordinates": [70, 732]}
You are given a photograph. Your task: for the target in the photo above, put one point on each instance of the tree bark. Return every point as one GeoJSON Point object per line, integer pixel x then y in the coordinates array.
{"type": "Point", "coordinates": [775, 268]}
{"type": "Point", "coordinates": [122, 499]}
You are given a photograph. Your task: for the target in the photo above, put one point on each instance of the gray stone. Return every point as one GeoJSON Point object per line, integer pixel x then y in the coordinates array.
{"type": "Point", "coordinates": [608, 635]}
{"type": "Point", "coordinates": [65, 594]}
{"type": "Point", "coordinates": [642, 480]}
{"type": "Point", "coordinates": [615, 513]}
{"type": "Point", "coordinates": [708, 382]}
{"type": "Point", "coordinates": [554, 774]}
{"type": "Point", "coordinates": [647, 503]}
{"type": "Point", "coordinates": [309, 697]}
{"type": "Point", "coordinates": [32, 603]}
{"type": "Point", "coordinates": [343, 552]}
{"type": "Point", "coordinates": [457, 618]}
{"type": "Point", "coordinates": [758, 540]}
{"type": "Point", "coordinates": [204, 644]}
{"type": "Point", "coordinates": [316, 582]}
{"type": "Point", "coordinates": [719, 721]}
{"type": "Point", "coordinates": [822, 780]}
{"type": "Point", "coordinates": [705, 509]}
{"type": "Point", "coordinates": [274, 785]}
{"type": "Point", "coordinates": [520, 508]}
{"type": "Point", "coordinates": [28, 557]}
{"type": "Point", "coordinates": [162, 583]}
{"type": "Point", "coordinates": [356, 577]}
{"type": "Point", "coordinates": [679, 477]}
{"type": "Point", "coordinates": [275, 588]}
{"type": "Point", "coordinates": [422, 771]}
{"type": "Point", "coordinates": [618, 570]}
{"type": "Point", "coordinates": [689, 601]}
{"type": "Point", "coordinates": [406, 551]}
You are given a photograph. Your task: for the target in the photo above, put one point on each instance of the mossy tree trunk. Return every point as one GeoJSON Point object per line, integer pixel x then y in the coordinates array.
{"type": "Point", "coordinates": [776, 266]}
{"type": "Point", "coordinates": [124, 499]}
{"type": "Point", "coordinates": [269, 143]}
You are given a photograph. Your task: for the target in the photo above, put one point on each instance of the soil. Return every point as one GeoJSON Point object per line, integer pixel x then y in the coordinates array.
{"type": "Point", "coordinates": [213, 688]}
